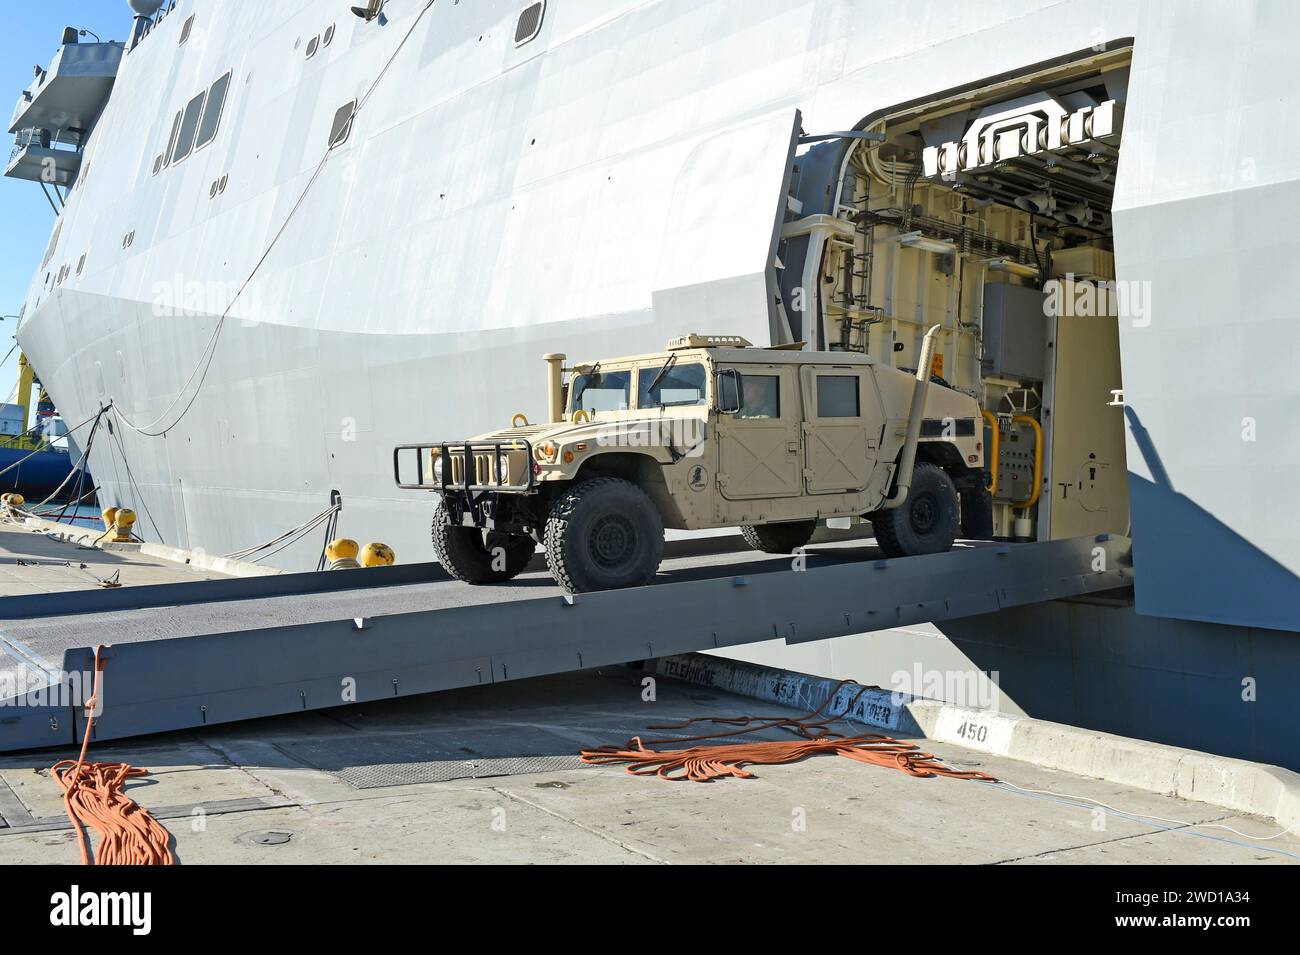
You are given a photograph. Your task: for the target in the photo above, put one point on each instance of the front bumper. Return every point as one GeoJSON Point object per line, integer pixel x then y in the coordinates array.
{"type": "Point", "coordinates": [497, 491]}
{"type": "Point", "coordinates": [471, 467]}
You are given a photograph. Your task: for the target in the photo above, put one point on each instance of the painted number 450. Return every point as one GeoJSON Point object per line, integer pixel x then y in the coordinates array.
{"type": "Point", "coordinates": [974, 732]}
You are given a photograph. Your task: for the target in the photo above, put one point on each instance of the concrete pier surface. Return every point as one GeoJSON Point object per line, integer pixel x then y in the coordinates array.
{"type": "Point", "coordinates": [32, 561]}
{"type": "Point", "coordinates": [490, 774]}
{"type": "Point", "coordinates": [391, 783]}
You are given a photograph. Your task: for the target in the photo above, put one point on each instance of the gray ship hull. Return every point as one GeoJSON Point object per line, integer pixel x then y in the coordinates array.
{"type": "Point", "coordinates": [615, 182]}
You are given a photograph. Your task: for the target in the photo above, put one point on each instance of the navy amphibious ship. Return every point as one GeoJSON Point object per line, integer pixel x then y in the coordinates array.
{"type": "Point", "coordinates": [291, 236]}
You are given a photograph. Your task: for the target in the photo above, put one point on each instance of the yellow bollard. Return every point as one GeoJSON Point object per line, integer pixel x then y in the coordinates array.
{"type": "Point", "coordinates": [377, 555]}
{"type": "Point", "coordinates": [122, 523]}
{"type": "Point", "coordinates": [110, 516]}
{"type": "Point", "coordinates": [341, 554]}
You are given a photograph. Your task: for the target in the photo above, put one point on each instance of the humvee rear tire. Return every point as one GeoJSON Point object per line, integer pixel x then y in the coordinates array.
{"type": "Point", "coordinates": [926, 523]}
{"type": "Point", "coordinates": [781, 538]}
{"type": "Point", "coordinates": [477, 558]}
{"type": "Point", "coordinates": [604, 534]}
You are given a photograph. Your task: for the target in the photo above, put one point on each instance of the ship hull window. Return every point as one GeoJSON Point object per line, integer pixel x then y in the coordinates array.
{"type": "Point", "coordinates": [189, 126]}
{"type": "Point", "coordinates": [171, 140]}
{"type": "Point", "coordinates": [212, 112]}
{"type": "Point", "coordinates": [529, 23]}
{"type": "Point", "coordinates": [342, 125]}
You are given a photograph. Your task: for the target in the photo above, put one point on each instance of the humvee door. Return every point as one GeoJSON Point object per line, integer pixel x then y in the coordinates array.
{"type": "Point", "coordinates": [759, 446]}
{"type": "Point", "coordinates": [841, 427]}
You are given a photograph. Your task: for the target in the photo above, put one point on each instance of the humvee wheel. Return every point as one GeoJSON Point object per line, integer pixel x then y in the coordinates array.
{"type": "Point", "coordinates": [926, 523]}
{"type": "Point", "coordinates": [778, 538]}
{"type": "Point", "coordinates": [469, 555]}
{"type": "Point", "coordinates": [603, 534]}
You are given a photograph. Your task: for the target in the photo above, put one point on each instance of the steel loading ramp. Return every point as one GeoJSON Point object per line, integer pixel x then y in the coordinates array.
{"type": "Point", "coordinates": [221, 651]}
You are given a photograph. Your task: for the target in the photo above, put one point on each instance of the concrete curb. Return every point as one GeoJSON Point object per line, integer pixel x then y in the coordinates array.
{"type": "Point", "coordinates": [221, 565]}
{"type": "Point", "coordinates": [1235, 784]}
{"type": "Point", "coordinates": [90, 537]}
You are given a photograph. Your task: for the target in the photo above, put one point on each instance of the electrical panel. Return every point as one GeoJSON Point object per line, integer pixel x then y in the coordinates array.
{"type": "Point", "coordinates": [1016, 452]}
{"type": "Point", "coordinates": [1015, 332]}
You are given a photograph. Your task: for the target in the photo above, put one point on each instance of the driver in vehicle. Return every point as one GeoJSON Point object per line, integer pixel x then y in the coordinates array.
{"type": "Point", "coordinates": [760, 399]}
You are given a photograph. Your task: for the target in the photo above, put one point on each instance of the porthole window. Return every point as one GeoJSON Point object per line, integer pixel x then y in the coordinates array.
{"type": "Point", "coordinates": [157, 164]}
{"type": "Point", "coordinates": [81, 263]}
{"type": "Point", "coordinates": [186, 27]}
{"type": "Point", "coordinates": [530, 22]}
{"type": "Point", "coordinates": [329, 35]}
{"type": "Point", "coordinates": [342, 125]}
{"type": "Point", "coordinates": [212, 111]}
{"type": "Point", "coordinates": [189, 126]}
{"type": "Point", "coordinates": [312, 46]}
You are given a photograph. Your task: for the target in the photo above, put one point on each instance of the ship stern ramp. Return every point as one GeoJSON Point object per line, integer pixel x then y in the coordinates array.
{"type": "Point", "coordinates": [179, 656]}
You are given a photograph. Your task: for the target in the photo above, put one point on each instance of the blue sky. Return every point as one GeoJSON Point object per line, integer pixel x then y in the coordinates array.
{"type": "Point", "coordinates": [30, 36]}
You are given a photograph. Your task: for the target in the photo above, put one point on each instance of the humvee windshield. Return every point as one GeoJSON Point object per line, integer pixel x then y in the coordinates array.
{"type": "Point", "coordinates": [602, 391]}
{"type": "Point", "coordinates": [679, 385]}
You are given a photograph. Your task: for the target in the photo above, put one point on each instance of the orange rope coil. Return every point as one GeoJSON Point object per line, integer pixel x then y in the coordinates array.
{"type": "Point", "coordinates": [702, 764]}
{"type": "Point", "coordinates": [92, 796]}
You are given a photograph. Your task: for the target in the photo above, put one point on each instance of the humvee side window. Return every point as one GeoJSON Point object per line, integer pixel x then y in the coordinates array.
{"type": "Point", "coordinates": [679, 385]}
{"type": "Point", "coordinates": [762, 395]}
{"type": "Point", "coordinates": [837, 396]}
{"type": "Point", "coordinates": [601, 391]}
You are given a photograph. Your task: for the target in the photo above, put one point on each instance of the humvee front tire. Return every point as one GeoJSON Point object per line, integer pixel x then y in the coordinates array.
{"type": "Point", "coordinates": [926, 523]}
{"type": "Point", "coordinates": [604, 534]}
{"type": "Point", "coordinates": [469, 555]}
{"type": "Point", "coordinates": [781, 538]}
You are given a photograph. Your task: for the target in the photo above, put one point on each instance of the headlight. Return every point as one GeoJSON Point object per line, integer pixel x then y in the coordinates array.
{"type": "Point", "coordinates": [547, 451]}
{"type": "Point", "coordinates": [503, 471]}
{"type": "Point", "coordinates": [437, 469]}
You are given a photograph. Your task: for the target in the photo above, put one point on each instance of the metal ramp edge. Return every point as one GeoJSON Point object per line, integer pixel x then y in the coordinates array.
{"type": "Point", "coordinates": [29, 606]}
{"type": "Point", "coordinates": [184, 682]}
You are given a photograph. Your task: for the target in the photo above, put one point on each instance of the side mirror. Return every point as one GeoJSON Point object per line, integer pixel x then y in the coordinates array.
{"type": "Point", "coordinates": [729, 387]}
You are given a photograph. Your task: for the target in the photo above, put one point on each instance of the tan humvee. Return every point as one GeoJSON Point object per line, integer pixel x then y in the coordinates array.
{"type": "Point", "coordinates": [709, 433]}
